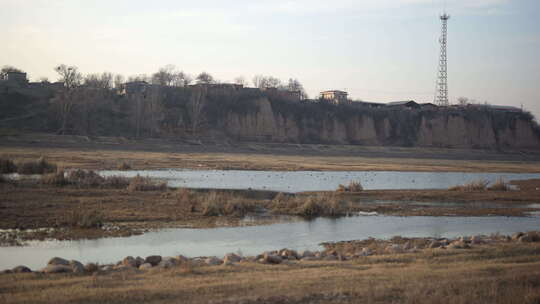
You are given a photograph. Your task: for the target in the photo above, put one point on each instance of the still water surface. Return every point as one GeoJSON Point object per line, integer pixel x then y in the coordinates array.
{"type": "Point", "coordinates": [251, 240]}
{"type": "Point", "coordinates": [298, 181]}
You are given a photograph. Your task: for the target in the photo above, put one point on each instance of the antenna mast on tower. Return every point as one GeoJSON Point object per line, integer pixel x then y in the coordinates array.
{"type": "Point", "coordinates": [441, 94]}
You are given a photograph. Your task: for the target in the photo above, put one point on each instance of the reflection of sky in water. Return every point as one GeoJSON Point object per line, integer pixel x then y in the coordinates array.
{"type": "Point", "coordinates": [296, 181]}
{"type": "Point", "coordinates": [256, 239]}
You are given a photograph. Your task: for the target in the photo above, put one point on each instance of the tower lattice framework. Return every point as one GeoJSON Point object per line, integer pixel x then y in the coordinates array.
{"type": "Point", "coordinates": [441, 94]}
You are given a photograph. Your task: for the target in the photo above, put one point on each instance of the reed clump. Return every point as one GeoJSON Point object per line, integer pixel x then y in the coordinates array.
{"type": "Point", "coordinates": [84, 179]}
{"type": "Point", "coordinates": [500, 185]}
{"type": "Point", "coordinates": [139, 183]}
{"type": "Point", "coordinates": [323, 204]}
{"type": "Point", "coordinates": [123, 166]}
{"type": "Point", "coordinates": [354, 186]}
{"type": "Point", "coordinates": [82, 218]}
{"type": "Point", "coordinates": [217, 203]}
{"type": "Point", "coordinates": [57, 178]}
{"type": "Point", "coordinates": [477, 185]}
{"type": "Point", "coordinates": [7, 166]}
{"type": "Point", "coordinates": [40, 166]}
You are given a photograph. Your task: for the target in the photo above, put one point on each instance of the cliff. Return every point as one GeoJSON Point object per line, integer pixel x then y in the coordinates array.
{"type": "Point", "coordinates": [404, 127]}
{"type": "Point", "coordinates": [252, 115]}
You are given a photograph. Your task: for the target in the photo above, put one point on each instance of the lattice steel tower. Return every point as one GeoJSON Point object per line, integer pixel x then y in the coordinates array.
{"type": "Point", "coordinates": [441, 92]}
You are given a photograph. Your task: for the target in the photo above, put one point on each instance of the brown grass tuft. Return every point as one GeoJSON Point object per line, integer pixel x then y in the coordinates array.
{"type": "Point", "coordinates": [478, 185]}
{"type": "Point", "coordinates": [82, 218]}
{"type": "Point", "coordinates": [123, 166]}
{"type": "Point", "coordinates": [217, 203]}
{"type": "Point", "coordinates": [499, 185]}
{"type": "Point", "coordinates": [323, 204]}
{"type": "Point", "coordinates": [57, 178]}
{"type": "Point", "coordinates": [7, 166]}
{"type": "Point", "coordinates": [85, 179]}
{"type": "Point", "coordinates": [139, 183]}
{"type": "Point", "coordinates": [41, 166]}
{"type": "Point", "coordinates": [354, 186]}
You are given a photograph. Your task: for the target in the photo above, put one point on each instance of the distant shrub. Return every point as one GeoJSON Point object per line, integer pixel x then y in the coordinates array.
{"type": "Point", "coordinates": [354, 186]}
{"type": "Point", "coordinates": [7, 166]}
{"type": "Point", "coordinates": [478, 185]}
{"type": "Point", "coordinates": [139, 183]}
{"type": "Point", "coordinates": [499, 185]}
{"type": "Point", "coordinates": [41, 166]}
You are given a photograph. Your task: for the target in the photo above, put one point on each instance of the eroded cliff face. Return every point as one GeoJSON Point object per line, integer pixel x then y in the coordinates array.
{"type": "Point", "coordinates": [434, 130]}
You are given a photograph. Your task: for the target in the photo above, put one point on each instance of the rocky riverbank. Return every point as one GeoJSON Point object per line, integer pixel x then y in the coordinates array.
{"type": "Point", "coordinates": [339, 251]}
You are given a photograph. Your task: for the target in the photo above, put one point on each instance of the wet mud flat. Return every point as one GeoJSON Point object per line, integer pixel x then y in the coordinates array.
{"type": "Point", "coordinates": [32, 211]}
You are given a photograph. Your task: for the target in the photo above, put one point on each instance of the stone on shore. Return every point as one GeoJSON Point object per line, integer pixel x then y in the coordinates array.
{"type": "Point", "coordinates": [107, 268]}
{"type": "Point", "coordinates": [139, 261]}
{"type": "Point", "coordinates": [435, 244]}
{"type": "Point", "coordinates": [21, 269]}
{"type": "Point", "coordinates": [167, 263]}
{"type": "Point", "coordinates": [306, 254]}
{"type": "Point", "coordinates": [153, 260]}
{"type": "Point", "coordinates": [91, 267]}
{"type": "Point", "coordinates": [57, 269]}
{"type": "Point", "coordinates": [145, 266]}
{"type": "Point", "coordinates": [517, 235]}
{"type": "Point", "coordinates": [272, 258]}
{"type": "Point", "coordinates": [529, 237]}
{"type": "Point", "coordinates": [213, 261]}
{"type": "Point", "coordinates": [129, 261]}
{"type": "Point", "coordinates": [76, 266]}
{"type": "Point", "coordinates": [58, 261]}
{"type": "Point", "coordinates": [232, 258]}
{"type": "Point", "coordinates": [182, 259]}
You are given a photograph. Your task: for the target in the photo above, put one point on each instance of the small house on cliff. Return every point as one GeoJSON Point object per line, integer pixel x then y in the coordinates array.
{"type": "Point", "coordinates": [335, 96]}
{"type": "Point", "coordinates": [407, 104]}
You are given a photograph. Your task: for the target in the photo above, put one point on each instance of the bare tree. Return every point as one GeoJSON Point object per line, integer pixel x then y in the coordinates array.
{"type": "Point", "coordinates": [65, 100]}
{"type": "Point", "coordinates": [182, 79]}
{"type": "Point", "coordinates": [258, 81]}
{"type": "Point", "coordinates": [295, 86]}
{"type": "Point", "coordinates": [99, 81]}
{"type": "Point", "coordinates": [69, 75]}
{"type": "Point", "coordinates": [262, 82]}
{"type": "Point", "coordinates": [196, 106]}
{"type": "Point", "coordinates": [463, 101]}
{"type": "Point", "coordinates": [205, 78]}
{"type": "Point", "coordinates": [165, 76]}
{"type": "Point", "coordinates": [241, 80]}
{"type": "Point", "coordinates": [272, 82]}
{"type": "Point", "coordinates": [118, 81]}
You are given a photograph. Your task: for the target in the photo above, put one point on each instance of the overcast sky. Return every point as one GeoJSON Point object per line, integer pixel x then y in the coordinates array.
{"type": "Point", "coordinates": [377, 50]}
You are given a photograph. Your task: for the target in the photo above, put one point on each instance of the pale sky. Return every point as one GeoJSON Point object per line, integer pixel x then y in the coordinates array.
{"type": "Point", "coordinates": [377, 50]}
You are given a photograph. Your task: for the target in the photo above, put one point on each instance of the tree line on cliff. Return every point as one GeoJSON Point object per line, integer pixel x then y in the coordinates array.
{"type": "Point", "coordinates": [97, 105]}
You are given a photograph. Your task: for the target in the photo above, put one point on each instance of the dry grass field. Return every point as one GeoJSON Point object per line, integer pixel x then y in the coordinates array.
{"type": "Point", "coordinates": [503, 273]}
{"type": "Point", "coordinates": [366, 159]}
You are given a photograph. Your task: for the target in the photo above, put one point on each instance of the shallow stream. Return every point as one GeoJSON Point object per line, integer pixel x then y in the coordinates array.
{"type": "Point", "coordinates": [250, 240]}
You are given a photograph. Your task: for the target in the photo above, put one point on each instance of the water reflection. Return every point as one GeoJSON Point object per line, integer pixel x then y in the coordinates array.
{"type": "Point", "coordinates": [297, 181]}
